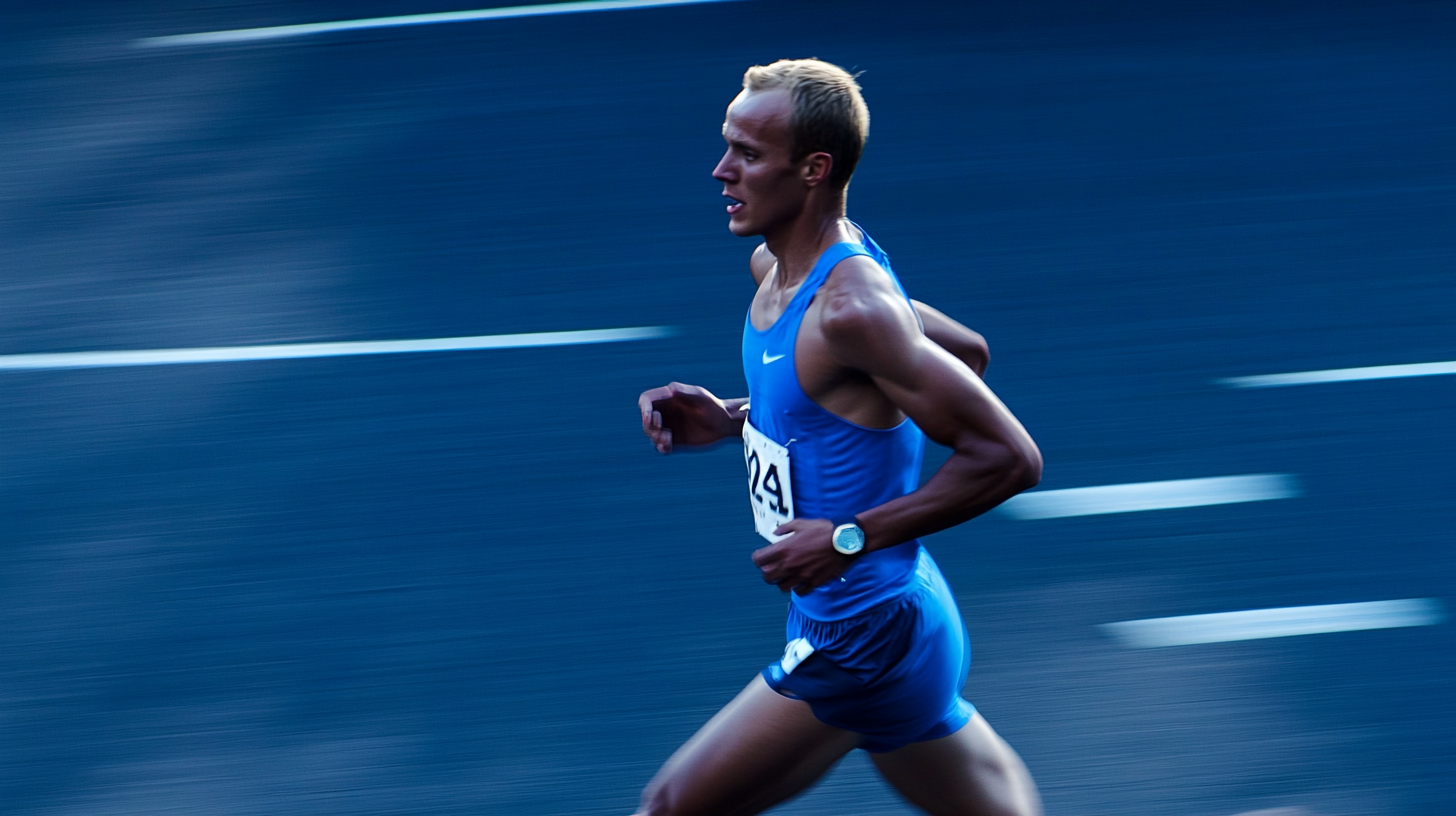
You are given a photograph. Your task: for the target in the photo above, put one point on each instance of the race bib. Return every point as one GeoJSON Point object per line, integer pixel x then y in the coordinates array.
{"type": "Point", "coordinates": [768, 482]}
{"type": "Point", "coordinates": [794, 654]}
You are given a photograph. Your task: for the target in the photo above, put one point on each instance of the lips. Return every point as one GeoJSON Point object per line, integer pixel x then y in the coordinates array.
{"type": "Point", "coordinates": [734, 205]}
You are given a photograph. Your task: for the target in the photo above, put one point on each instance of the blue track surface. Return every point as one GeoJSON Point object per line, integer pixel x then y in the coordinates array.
{"type": "Point", "coordinates": [463, 582]}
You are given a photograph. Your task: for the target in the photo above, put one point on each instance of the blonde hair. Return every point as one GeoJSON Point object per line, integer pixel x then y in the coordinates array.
{"type": "Point", "coordinates": [829, 114]}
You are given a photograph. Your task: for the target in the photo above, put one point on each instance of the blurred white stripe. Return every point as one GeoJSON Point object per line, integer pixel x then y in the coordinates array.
{"type": "Point", "coordinates": [293, 351]}
{"type": "Point", "coordinates": [277, 32]}
{"type": "Point", "coordinates": [1334, 375]}
{"type": "Point", "coordinates": [1254, 624]}
{"type": "Point", "coordinates": [1131, 498]}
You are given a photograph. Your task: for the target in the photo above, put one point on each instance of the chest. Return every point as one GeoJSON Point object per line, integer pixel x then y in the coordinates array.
{"type": "Point", "coordinates": [791, 354]}
{"type": "Point", "coordinates": [791, 333]}
{"type": "Point", "coordinates": [770, 302]}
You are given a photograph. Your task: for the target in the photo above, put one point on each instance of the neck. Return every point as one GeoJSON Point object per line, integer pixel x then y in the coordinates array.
{"type": "Point", "coordinates": [797, 244]}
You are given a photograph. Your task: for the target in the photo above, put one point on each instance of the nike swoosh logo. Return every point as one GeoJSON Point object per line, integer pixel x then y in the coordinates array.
{"type": "Point", "coordinates": [767, 359]}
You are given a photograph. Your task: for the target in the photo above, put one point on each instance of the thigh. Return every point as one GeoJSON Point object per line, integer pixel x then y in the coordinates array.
{"type": "Point", "coordinates": [761, 749]}
{"type": "Point", "coordinates": [972, 772]}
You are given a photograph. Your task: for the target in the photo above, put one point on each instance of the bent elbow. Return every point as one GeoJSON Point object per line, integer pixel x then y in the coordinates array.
{"type": "Point", "coordinates": [980, 360]}
{"type": "Point", "coordinates": [975, 353]}
{"type": "Point", "coordinates": [1025, 466]}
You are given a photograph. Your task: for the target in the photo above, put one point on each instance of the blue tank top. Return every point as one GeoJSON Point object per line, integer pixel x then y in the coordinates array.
{"type": "Point", "coordinates": [837, 468]}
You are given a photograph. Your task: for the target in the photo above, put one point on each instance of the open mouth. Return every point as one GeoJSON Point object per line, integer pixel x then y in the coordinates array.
{"type": "Point", "coordinates": [734, 205]}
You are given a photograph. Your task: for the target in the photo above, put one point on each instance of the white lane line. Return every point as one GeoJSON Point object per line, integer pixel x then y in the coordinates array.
{"type": "Point", "coordinates": [1335, 375]}
{"type": "Point", "coordinates": [278, 32]}
{"type": "Point", "coordinates": [294, 351]}
{"type": "Point", "coordinates": [1132, 498]}
{"type": "Point", "coordinates": [1254, 624]}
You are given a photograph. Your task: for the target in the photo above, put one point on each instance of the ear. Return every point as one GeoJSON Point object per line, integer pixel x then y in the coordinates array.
{"type": "Point", "coordinates": [815, 168]}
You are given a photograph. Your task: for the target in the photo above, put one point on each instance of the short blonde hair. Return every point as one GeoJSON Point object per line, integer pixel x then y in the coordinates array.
{"type": "Point", "coordinates": [829, 114]}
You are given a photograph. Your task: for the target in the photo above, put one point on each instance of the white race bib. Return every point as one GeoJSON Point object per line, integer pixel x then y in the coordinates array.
{"type": "Point", "coordinates": [768, 482]}
{"type": "Point", "coordinates": [794, 654]}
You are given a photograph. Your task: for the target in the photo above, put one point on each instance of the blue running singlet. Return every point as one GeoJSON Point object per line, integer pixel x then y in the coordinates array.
{"type": "Point", "coordinates": [837, 468]}
{"type": "Point", "coordinates": [883, 652]}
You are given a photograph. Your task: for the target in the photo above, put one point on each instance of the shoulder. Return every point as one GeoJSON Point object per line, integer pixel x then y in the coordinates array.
{"type": "Point", "coordinates": [860, 300]}
{"type": "Point", "coordinates": [761, 262]}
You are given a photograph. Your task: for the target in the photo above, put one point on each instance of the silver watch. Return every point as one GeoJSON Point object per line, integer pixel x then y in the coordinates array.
{"type": "Point", "coordinates": [848, 539]}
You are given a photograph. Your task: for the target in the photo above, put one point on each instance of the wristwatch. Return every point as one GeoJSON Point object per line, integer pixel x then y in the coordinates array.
{"type": "Point", "coordinates": [848, 538]}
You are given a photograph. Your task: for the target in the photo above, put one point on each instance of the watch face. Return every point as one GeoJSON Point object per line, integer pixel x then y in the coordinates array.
{"type": "Point", "coordinates": [849, 539]}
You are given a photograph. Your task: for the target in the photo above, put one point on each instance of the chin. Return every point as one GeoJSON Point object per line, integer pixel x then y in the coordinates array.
{"type": "Point", "coordinates": [743, 229]}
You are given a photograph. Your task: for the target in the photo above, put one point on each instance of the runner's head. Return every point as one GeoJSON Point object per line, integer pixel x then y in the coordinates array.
{"type": "Point", "coordinates": [796, 131]}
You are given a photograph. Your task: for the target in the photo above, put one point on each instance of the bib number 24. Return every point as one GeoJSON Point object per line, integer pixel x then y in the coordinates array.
{"type": "Point", "coordinates": [769, 490]}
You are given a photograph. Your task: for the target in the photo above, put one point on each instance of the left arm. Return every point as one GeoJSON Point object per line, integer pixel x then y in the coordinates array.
{"type": "Point", "coordinates": [962, 342]}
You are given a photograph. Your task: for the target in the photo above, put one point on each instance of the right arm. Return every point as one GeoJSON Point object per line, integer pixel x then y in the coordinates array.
{"type": "Point", "coordinates": [678, 415]}
{"type": "Point", "coordinates": [687, 416]}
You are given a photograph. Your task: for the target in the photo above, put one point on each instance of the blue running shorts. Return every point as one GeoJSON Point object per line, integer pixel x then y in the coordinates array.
{"type": "Point", "coordinates": [893, 674]}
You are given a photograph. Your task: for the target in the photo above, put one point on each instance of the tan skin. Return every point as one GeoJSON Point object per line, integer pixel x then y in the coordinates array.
{"type": "Point", "coordinates": [867, 355]}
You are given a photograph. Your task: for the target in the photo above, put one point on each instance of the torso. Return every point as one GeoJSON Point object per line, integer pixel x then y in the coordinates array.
{"type": "Point", "coordinates": [838, 389]}
{"type": "Point", "coordinates": [829, 427]}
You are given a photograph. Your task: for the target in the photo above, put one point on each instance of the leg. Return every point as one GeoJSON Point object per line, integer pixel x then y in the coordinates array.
{"type": "Point", "coordinates": [972, 772]}
{"type": "Point", "coordinates": [761, 749]}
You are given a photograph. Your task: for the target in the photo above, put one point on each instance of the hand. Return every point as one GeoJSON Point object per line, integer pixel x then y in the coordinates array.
{"type": "Point", "coordinates": [685, 415]}
{"type": "Point", "coordinates": [805, 559]}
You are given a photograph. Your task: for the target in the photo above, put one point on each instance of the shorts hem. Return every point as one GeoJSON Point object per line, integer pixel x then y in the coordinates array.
{"type": "Point", "coordinates": [773, 676]}
{"type": "Point", "coordinates": [964, 711]}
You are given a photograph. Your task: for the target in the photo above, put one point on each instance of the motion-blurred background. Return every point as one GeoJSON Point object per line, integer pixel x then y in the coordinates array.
{"type": "Point", "coordinates": [462, 582]}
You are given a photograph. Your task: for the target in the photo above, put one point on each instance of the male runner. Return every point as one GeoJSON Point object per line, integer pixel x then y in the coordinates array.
{"type": "Point", "coordinates": [846, 376]}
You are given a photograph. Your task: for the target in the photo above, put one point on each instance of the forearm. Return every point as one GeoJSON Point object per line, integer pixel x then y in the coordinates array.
{"type": "Point", "coordinates": [678, 416]}
{"type": "Point", "coordinates": [968, 484]}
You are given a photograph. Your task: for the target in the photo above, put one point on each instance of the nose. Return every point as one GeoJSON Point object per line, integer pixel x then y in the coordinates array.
{"type": "Point", "coordinates": [725, 172]}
